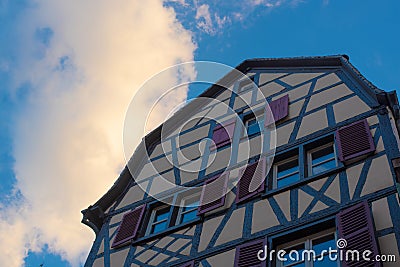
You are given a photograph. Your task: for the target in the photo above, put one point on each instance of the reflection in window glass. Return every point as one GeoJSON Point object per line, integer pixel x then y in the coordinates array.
{"type": "Point", "coordinates": [293, 256]}
{"type": "Point", "coordinates": [321, 247]}
{"type": "Point", "coordinates": [160, 220]}
{"type": "Point", "coordinates": [188, 210]}
{"type": "Point", "coordinates": [304, 250]}
{"type": "Point", "coordinates": [253, 125]}
{"type": "Point", "coordinates": [287, 172]}
{"type": "Point", "coordinates": [322, 159]}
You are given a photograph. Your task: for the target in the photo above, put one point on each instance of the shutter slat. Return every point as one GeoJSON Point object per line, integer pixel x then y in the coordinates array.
{"type": "Point", "coordinates": [129, 226]}
{"type": "Point", "coordinates": [356, 227]}
{"type": "Point", "coordinates": [251, 180]}
{"type": "Point", "coordinates": [354, 140]}
{"type": "Point", "coordinates": [213, 193]}
{"type": "Point", "coordinates": [246, 254]}
{"type": "Point", "coordinates": [279, 109]}
{"type": "Point", "coordinates": [223, 134]}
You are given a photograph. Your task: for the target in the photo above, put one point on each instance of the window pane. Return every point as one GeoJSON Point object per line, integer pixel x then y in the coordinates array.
{"type": "Point", "coordinates": [324, 166]}
{"type": "Point", "coordinates": [293, 255]}
{"type": "Point", "coordinates": [253, 129]}
{"type": "Point", "coordinates": [253, 126]}
{"type": "Point", "coordinates": [322, 155]}
{"type": "Point", "coordinates": [189, 216]}
{"type": "Point", "coordinates": [326, 262]}
{"type": "Point", "coordinates": [288, 180]}
{"type": "Point", "coordinates": [324, 243]}
{"type": "Point", "coordinates": [161, 214]}
{"type": "Point", "coordinates": [159, 227]}
{"type": "Point", "coordinates": [288, 168]}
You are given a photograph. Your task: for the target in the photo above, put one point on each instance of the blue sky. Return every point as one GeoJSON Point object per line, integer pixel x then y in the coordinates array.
{"type": "Point", "coordinates": [48, 66]}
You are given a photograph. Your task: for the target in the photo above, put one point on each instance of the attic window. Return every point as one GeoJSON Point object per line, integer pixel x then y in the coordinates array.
{"type": "Point", "coordinates": [254, 123]}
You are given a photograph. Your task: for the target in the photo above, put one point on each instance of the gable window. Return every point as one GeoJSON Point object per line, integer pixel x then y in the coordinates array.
{"type": "Point", "coordinates": [188, 209]}
{"type": "Point", "coordinates": [159, 219]}
{"type": "Point", "coordinates": [321, 159]}
{"type": "Point", "coordinates": [253, 124]}
{"type": "Point", "coordinates": [317, 244]}
{"type": "Point", "coordinates": [286, 172]}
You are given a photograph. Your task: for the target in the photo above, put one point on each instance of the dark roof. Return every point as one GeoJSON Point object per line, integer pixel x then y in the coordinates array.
{"type": "Point", "coordinates": [94, 214]}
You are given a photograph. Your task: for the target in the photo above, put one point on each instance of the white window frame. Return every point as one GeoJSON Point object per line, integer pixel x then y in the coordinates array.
{"type": "Point", "coordinates": [309, 157]}
{"type": "Point", "coordinates": [275, 170]}
{"type": "Point", "coordinates": [307, 241]}
{"type": "Point", "coordinates": [153, 216]}
{"type": "Point", "coordinates": [183, 204]}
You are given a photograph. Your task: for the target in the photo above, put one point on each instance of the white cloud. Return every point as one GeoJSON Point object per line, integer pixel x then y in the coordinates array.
{"type": "Point", "coordinates": [204, 21]}
{"type": "Point", "coordinates": [68, 131]}
{"type": "Point", "coordinates": [212, 17]}
{"type": "Point", "coordinates": [208, 23]}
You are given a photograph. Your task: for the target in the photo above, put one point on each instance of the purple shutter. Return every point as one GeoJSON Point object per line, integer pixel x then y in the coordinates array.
{"type": "Point", "coordinates": [246, 254]}
{"type": "Point", "coordinates": [223, 134]}
{"type": "Point", "coordinates": [354, 140]}
{"type": "Point", "coordinates": [356, 227]}
{"type": "Point", "coordinates": [279, 109]}
{"type": "Point", "coordinates": [251, 180]}
{"type": "Point", "coordinates": [213, 193]}
{"type": "Point", "coordinates": [129, 226]}
{"type": "Point", "coordinates": [188, 264]}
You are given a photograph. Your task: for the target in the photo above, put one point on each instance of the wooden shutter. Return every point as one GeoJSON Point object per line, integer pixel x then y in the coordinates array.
{"type": "Point", "coordinates": [213, 193]}
{"type": "Point", "coordinates": [246, 254]}
{"type": "Point", "coordinates": [223, 134]}
{"type": "Point", "coordinates": [279, 109]}
{"type": "Point", "coordinates": [129, 226]}
{"type": "Point", "coordinates": [249, 177]}
{"type": "Point", "coordinates": [188, 264]}
{"type": "Point", "coordinates": [356, 227]}
{"type": "Point", "coordinates": [354, 140]}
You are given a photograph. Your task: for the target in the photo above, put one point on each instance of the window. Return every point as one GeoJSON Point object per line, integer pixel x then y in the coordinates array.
{"type": "Point", "coordinates": [159, 219]}
{"type": "Point", "coordinates": [286, 172]}
{"type": "Point", "coordinates": [308, 160]}
{"type": "Point", "coordinates": [183, 209]}
{"type": "Point", "coordinates": [311, 251]}
{"type": "Point", "coordinates": [188, 209]}
{"type": "Point", "coordinates": [321, 159]}
{"type": "Point", "coordinates": [253, 124]}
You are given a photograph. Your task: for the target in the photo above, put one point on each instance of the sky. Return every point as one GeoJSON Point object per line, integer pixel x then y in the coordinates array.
{"type": "Point", "coordinates": [68, 70]}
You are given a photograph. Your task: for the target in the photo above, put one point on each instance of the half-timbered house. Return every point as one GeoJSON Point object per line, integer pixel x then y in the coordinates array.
{"type": "Point", "coordinates": [333, 174]}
